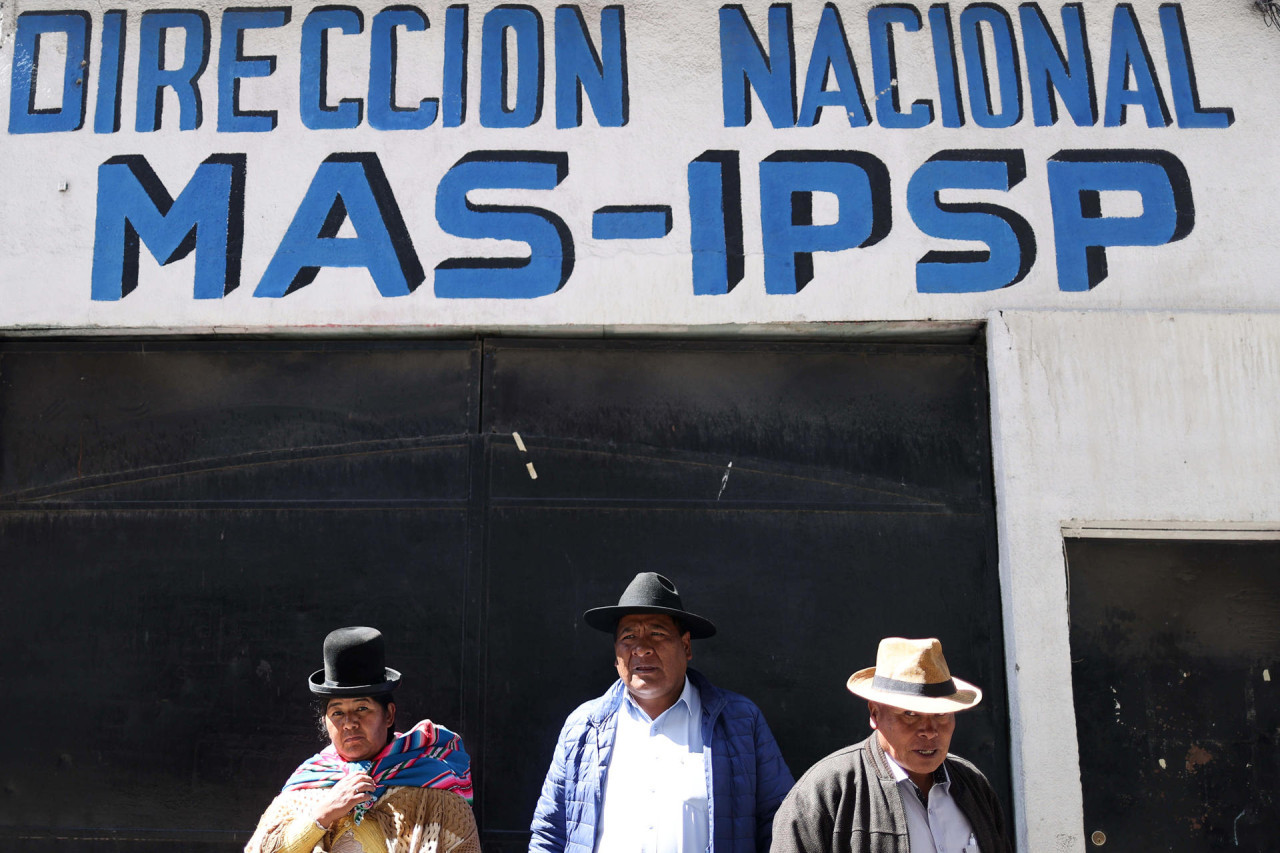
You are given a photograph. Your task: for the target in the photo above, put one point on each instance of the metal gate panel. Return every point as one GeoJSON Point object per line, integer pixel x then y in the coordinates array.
{"type": "Point", "coordinates": [808, 499]}
{"type": "Point", "coordinates": [1175, 670]}
{"type": "Point", "coordinates": [215, 420]}
{"type": "Point", "coordinates": [182, 522]}
{"type": "Point", "coordinates": [166, 651]}
{"type": "Point", "coordinates": [180, 525]}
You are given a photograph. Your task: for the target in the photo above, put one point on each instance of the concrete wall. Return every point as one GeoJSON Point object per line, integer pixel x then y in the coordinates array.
{"type": "Point", "coordinates": [1111, 417]}
{"type": "Point", "coordinates": [1178, 163]}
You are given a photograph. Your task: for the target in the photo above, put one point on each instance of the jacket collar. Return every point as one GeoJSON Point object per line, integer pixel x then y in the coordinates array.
{"type": "Point", "coordinates": [713, 698]}
{"type": "Point", "coordinates": [608, 704]}
{"type": "Point", "coordinates": [879, 760]}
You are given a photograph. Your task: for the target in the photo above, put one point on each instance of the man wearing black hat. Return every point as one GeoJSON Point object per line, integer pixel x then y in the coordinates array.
{"type": "Point", "coordinates": [664, 761]}
{"type": "Point", "coordinates": [898, 791]}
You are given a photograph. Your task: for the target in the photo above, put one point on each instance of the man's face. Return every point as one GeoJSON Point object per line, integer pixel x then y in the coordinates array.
{"type": "Point", "coordinates": [651, 656]}
{"type": "Point", "coordinates": [918, 742]}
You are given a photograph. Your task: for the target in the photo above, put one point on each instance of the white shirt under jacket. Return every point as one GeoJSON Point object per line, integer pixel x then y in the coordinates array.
{"type": "Point", "coordinates": [656, 797]}
{"type": "Point", "coordinates": [939, 827]}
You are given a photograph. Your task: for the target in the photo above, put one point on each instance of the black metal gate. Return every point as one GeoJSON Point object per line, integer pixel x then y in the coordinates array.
{"type": "Point", "coordinates": [182, 522]}
{"type": "Point", "coordinates": [1174, 648]}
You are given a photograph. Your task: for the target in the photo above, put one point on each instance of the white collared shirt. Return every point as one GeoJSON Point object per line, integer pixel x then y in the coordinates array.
{"type": "Point", "coordinates": [655, 789]}
{"type": "Point", "coordinates": [939, 827]}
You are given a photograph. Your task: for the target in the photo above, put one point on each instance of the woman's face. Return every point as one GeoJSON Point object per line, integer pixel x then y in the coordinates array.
{"type": "Point", "coordinates": [358, 727]}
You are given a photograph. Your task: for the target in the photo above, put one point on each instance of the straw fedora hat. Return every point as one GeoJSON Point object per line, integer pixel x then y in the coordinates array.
{"type": "Point", "coordinates": [913, 674]}
{"type": "Point", "coordinates": [649, 592]}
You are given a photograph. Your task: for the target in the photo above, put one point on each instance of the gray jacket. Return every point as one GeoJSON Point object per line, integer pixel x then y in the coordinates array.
{"type": "Point", "coordinates": [849, 801]}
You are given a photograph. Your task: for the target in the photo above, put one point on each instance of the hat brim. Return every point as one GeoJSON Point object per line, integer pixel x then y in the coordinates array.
{"type": "Point", "coordinates": [606, 619]}
{"type": "Point", "coordinates": [966, 696]}
{"type": "Point", "coordinates": [320, 687]}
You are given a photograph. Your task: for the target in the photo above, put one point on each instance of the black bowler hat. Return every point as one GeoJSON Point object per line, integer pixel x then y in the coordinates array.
{"type": "Point", "coordinates": [649, 592]}
{"type": "Point", "coordinates": [353, 665]}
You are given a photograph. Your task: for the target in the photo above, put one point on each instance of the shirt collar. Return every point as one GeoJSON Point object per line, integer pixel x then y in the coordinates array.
{"type": "Point", "coordinates": [940, 777]}
{"type": "Point", "coordinates": [688, 696]}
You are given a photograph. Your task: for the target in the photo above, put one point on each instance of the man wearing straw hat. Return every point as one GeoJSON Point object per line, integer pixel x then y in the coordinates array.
{"type": "Point", "coordinates": [898, 791]}
{"type": "Point", "coordinates": [664, 762]}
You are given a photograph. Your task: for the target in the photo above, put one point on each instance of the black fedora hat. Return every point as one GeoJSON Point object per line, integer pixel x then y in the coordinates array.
{"type": "Point", "coordinates": [354, 665]}
{"type": "Point", "coordinates": [649, 592]}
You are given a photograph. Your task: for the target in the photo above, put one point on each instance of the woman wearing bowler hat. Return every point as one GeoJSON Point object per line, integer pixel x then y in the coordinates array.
{"type": "Point", "coordinates": [373, 789]}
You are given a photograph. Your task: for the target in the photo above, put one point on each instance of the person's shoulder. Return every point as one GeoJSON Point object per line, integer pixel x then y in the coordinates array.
{"type": "Point", "coordinates": [592, 708]}
{"type": "Point", "coordinates": [738, 702]}
{"type": "Point", "coordinates": [831, 773]}
{"type": "Point", "coordinates": [439, 799]}
{"type": "Point", "coordinates": [841, 758]}
{"type": "Point", "coordinates": [300, 800]}
{"type": "Point", "coordinates": [836, 763]}
{"type": "Point", "coordinates": [731, 701]}
{"type": "Point", "coordinates": [954, 760]}
{"type": "Point", "coordinates": [968, 774]}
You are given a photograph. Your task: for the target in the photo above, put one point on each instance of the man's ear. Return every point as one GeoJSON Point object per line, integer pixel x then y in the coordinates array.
{"type": "Point", "coordinates": [688, 645]}
{"type": "Point", "coordinates": [873, 709]}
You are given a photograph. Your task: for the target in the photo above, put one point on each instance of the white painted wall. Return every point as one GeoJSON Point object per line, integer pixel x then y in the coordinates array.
{"type": "Point", "coordinates": [1111, 417]}
{"type": "Point", "coordinates": [47, 223]}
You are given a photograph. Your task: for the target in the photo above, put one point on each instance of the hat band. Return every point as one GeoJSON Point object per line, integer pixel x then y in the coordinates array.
{"type": "Point", "coordinates": [912, 688]}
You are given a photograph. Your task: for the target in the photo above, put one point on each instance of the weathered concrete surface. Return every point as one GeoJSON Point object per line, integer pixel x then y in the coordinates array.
{"type": "Point", "coordinates": [1111, 417]}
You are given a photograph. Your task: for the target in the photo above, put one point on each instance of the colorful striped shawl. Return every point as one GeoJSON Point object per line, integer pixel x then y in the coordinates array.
{"type": "Point", "coordinates": [426, 756]}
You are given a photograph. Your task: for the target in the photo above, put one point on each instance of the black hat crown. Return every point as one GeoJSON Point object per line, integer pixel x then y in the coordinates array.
{"type": "Point", "coordinates": [649, 592]}
{"type": "Point", "coordinates": [354, 665]}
